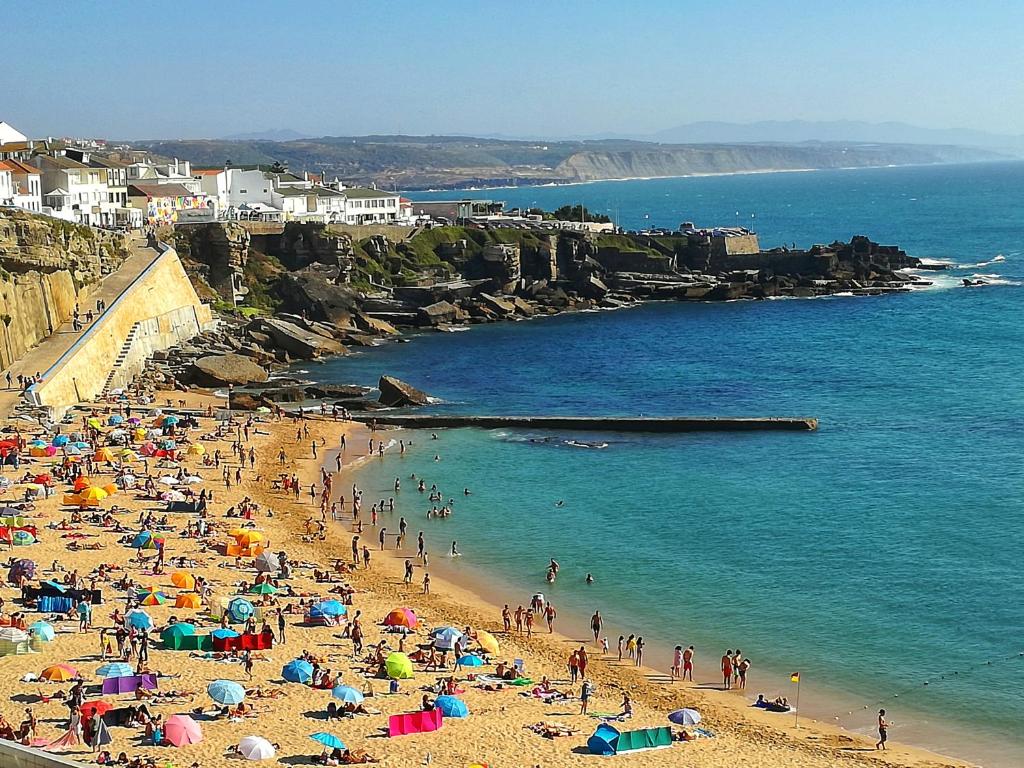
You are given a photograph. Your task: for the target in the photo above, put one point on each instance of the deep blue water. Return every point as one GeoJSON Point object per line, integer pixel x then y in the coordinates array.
{"type": "Point", "coordinates": [878, 553]}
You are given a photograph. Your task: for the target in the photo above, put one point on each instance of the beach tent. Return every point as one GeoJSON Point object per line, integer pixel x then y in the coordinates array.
{"type": "Point", "coordinates": [172, 635]}
{"type": "Point", "coordinates": [115, 669]}
{"type": "Point", "coordinates": [256, 748]}
{"type": "Point", "coordinates": [487, 641]}
{"type": "Point", "coordinates": [401, 617]}
{"type": "Point", "coordinates": [644, 738]}
{"type": "Point", "coordinates": [297, 671]}
{"type": "Point", "coordinates": [181, 730]}
{"type": "Point", "coordinates": [415, 722]}
{"type": "Point", "coordinates": [240, 609]}
{"type": "Point", "coordinates": [398, 666]}
{"type": "Point", "coordinates": [347, 694]}
{"type": "Point", "coordinates": [604, 740]}
{"type": "Point", "coordinates": [451, 706]}
{"type": "Point", "coordinates": [226, 692]}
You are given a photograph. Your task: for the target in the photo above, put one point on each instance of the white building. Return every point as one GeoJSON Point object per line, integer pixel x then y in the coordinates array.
{"type": "Point", "coordinates": [26, 183]}
{"type": "Point", "coordinates": [364, 205]}
{"type": "Point", "coordinates": [10, 135]}
{"type": "Point", "coordinates": [6, 185]}
{"type": "Point", "coordinates": [74, 191]}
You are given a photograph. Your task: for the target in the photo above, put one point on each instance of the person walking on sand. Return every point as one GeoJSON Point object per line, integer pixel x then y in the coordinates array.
{"type": "Point", "coordinates": [574, 667]}
{"type": "Point", "coordinates": [737, 659]}
{"type": "Point", "coordinates": [581, 654]}
{"type": "Point", "coordinates": [529, 624]}
{"type": "Point", "coordinates": [688, 663]}
{"type": "Point", "coordinates": [506, 619]}
{"type": "Point", "coordinates": [727, 670]}
{"type": "Point", "coordinates": [622, 643]}
{"type": "Point", "coordinates": [426, 583]}
{"type": "Point", "coordinates": [586, 691]}
{"type": "Point", "coordinates": [281, 627]}
{"type": "Point", "coordinates": [596, 624]}
{"type": "Point", "coordinates": [883, 730]}
{"type": "Point", "coordinates": [549, 615]}
{"type": "Point", "coordinates": [519, 620]}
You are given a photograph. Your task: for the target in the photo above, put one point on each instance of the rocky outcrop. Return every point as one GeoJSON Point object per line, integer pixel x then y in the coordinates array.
{"type": "Point", "coordinates": [297, 341]}
{"type": "Point", "coordinates": [320, 292]}
{"type": "Point", "coordinates": [218, 252]}
{"type": "Point", "coordinates": [221, 370]}
{"type": "Point", "coordinates": [303, 244]}
{"type": "Point", "coordinates": [396, 393]}
{"type": "Point", "coordinates": [439, 313]}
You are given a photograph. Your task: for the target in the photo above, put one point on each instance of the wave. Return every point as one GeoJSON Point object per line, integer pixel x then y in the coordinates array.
{"type": "Point", "coordinates": [990, 279]}
{"type": "Point", "coordinates": [994, 260]}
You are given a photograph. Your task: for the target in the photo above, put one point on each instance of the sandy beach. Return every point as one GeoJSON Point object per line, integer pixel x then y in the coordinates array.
{"type": "Point", "coordinates": [496, 733]}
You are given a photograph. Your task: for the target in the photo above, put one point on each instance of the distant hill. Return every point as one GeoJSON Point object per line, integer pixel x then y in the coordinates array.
{"type": "Point", "coordinates": [422, 162]}
{"type": "Point", "coordinates": [273, 134]}
{"type": "Point", "coordinates": [835, 130]}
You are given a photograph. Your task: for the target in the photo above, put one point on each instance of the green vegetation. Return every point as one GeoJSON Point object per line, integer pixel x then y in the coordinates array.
{"type": "Point", "coordinates": [579, 213]}
{"type": "Point", "coordinates": [259, 275]}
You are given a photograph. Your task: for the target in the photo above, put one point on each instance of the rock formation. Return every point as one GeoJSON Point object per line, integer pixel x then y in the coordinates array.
{"type": "Point", "coordinates": [395, 393]}
{"type": "Point", "coordinates": [221, 370]}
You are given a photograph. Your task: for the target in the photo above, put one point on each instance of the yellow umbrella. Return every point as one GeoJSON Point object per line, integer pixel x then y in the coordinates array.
{"type": "Point", "coordinates": [58, 673]}
{"type": "Point", "coordinates": [183, 580]}
{"type": "Point", "coordinates": [249, 538]}
{"type": "Point", "coordinates": [196, 450]}
{"type": "Point", "coordinates": [487, 641]}
{"type": "Point", "coordinates": [110, 488]}
{"type": "Point", "coordinates": [103, 454]}
{"type": "Point", "coordinates": [94, 493]}
{"type": "Point", "coordinates": [128, 455]}
{"type": "Point", "coordinates": [94, 422]}
{"type": "Point", "coordinates": [139, 433]}
{"type": "Point", "coordinates": [188, 600]}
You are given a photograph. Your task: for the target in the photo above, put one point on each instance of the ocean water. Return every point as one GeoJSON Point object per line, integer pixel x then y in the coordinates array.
{"type": "Point", "coordinates": [874, 556]}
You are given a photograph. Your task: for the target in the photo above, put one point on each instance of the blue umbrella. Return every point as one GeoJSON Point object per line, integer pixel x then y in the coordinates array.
{"type": "Point", "coordinates": [240, 609]}
{"type": "Point", "coordinates": [116, 669]}
{"type": "Point", "coordinates": [469, 660]}
{"type": "Point", "coordinates": [114, 420]}
{"type": "Point", "coordinates": [43, 631]}
{"type": "Point", "coordinates": [226, 692]}
{"type": "Point", "coordinates": [329, 608]}
{"type": "Point", "coordinates": [451, 706]}
{"type": "Point", "coordinates": [328, 740]}
{"type": "Point", "coordinates": [347, 693]}
{"type": "Point", "coordinates": [684, 717]}
{"type": "Point", "coordinates": [59, 441]}
{"type": "Point", "coordinates": [297, 671]}
{"type": "Point", "coordinates": [141, 539]}
{"type": "Point", "coordinates": [446, 637]}
{"type": "Point", "coordinates": [170, 421]}
{"type": "Point", "coordinates": [224, 632]}
{"type": "Point", "coordinates": [82, 445]}
{"type": "Point", "coordinates": [140, 620]}
{"type": "Point", "coordinates": [74, 450]}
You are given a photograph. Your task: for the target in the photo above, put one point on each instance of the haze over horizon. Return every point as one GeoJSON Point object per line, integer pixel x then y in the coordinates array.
{"type": "Point", "coordinates": [208, 70]}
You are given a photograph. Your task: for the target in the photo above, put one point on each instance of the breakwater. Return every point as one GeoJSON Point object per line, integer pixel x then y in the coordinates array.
{"type": "Point", "coordinates": [668, 424]}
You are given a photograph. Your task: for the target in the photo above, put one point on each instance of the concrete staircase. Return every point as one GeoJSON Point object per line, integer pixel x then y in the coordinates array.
{"type": "Point", "coordinates": [119, 361]}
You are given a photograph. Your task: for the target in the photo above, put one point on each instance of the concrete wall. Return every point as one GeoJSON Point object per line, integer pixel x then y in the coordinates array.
{"type": "Point", "coordinates": [16, 756]}
{"type": "Point", "coordinates": [32, 304]}
{"type": "Point", "coordinates": [161, 302]}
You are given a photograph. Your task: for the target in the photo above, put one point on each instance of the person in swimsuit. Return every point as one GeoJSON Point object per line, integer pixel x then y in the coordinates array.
{"type": "Point", "coordinates": [727, 670]}
{"type": "Point", "coordinates": [883, 730]}
{"type": "Point", "coordinates": [688, 663]}
{"type": "Point", "coordinates": [596, 623]}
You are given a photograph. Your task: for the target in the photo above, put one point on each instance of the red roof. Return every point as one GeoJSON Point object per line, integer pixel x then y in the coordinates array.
{"type": "Point", "coordinates": [17, 167]}
{"type": "Point", "coordinates": [206, 171]}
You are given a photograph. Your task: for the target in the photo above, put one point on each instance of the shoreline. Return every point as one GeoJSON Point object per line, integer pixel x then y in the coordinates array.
{"type": "Point", "coordinates": [485, 590]}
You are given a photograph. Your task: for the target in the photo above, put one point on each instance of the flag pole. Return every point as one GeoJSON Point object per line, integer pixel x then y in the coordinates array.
{"type": "Point", "coordinates": [796, 709]}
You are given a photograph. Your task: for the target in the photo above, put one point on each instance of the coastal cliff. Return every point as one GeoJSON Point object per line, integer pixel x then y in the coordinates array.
{"type": "Point", "coordinates": [47, 266]}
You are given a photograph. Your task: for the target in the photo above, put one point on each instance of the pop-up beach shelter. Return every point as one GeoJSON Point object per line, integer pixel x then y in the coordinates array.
{"type": "Point", "coordinates": [604, 740]}
{"type": "Point", "coordinates": [415, 722]}
{"type": "Point", "coordinates": [644, 738]}
{"type": "Point", "coordinates": [172, 636]}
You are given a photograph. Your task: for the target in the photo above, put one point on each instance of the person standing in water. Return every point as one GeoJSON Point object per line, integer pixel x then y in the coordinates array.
{"type": "Point", "coordinates": [883, 730]}
{"type": "Point", "coordinates": [596, 624]}
{"type": "Point", "coordinates": [455, 549]}
{"type": "Point", "coordinates": [688, 663]}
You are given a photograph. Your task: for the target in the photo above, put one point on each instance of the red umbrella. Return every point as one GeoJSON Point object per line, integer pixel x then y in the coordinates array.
{"type": "Point", "coordinates": [90, 708]}
{"type": "Point", "coordinates": [43, 479]}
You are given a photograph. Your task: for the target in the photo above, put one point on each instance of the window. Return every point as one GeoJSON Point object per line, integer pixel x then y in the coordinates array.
{"type": "Point", "coordinates": [243, 191]}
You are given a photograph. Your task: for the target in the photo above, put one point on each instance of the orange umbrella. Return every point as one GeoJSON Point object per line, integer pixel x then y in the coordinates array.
{"type": "Point", "coordinates": [82, 483]}
{"type": "Point", "coordinates": [59, 673]}
{"type": "Point", "coordinates": [188, 600]}
{"type": "Point", "coordinates": [249, 538]}
{"type": "Point", "coordinates": [183, 580]}
{"type": "Point", "coordinates": [104, 454]}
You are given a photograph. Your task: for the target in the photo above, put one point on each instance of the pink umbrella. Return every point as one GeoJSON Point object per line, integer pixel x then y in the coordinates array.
{"type": "Point", "coordinates": [147, 449]}
{"type": "Point", "coordinates": [180, 730]}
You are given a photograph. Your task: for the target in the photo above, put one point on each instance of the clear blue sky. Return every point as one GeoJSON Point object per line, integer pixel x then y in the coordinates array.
{"type": "Point", "coordinates": [203, 69]}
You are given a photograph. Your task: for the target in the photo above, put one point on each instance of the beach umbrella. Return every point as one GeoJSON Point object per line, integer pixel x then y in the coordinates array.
{"type": "Point", "coordinates": [22, 538]}
{"type": "Point", "coordinates": [177, 631]}
{"type": "Point", "coordinates": [115, 436]}
{"type": "Point", "coordinates": [94, 422]}
{"type": "Point", "coordinates": [82, 482]}
{"type": "Point", "coordinates": [224, 632]}
{"type": "Point", "coordinates": [327, 609]}
{"type": "Point", "coordinates": [153, 598]}
{"type": "Point", "coordinates": [240, 609]}
{"type": "Point", "coordinates": [90, 708]}
{"type": "Point", "coordinates": [103, 454]}
{"type": "Point", "coordinates": [42, 631]}
{"type": "Point", "coordinates": [115, 669]}
{"type": "Point", "coordinates": [263, 589]}
{"type": "Point", "coordinates": [134, 420]}
{"type": "Point", "coordinates": [12, 635]}
{"type": "Point", "coordinates": [139, 433]}
{"type": "Point", "coordinates": [398, 666]}
{"type": "Point", "coordinates": [128, 455]}
{"type": "Point", "coordinates": [401, 617]}
{"type": "Point", "coordinates": [297, 671]}
{"type": "Point", "coordinates": [139, 619]}
{"type": "Point", "coordinates": [15, 520]}
{"type": "Point", "coordinates": [59, 673]}
{"type": "Point", "coordinates": [249, 538]}
{"type": "Point", "coordinates": [196, 450]}
{"type": "Point", "coordinates": [487, 641]}
{"type": "Point", "coordinates": [347, 694]}
{"type": "Point", "coordinates": [226, 692]}
{"type": "Point", "coordinates": [470, 660]}
{"type": "Point", "coordinates": [170, 421]}
{"type": "Point", "coordinates": [266, 562]}
{"type": "Point", "coordinates": [256, 748]}
{"type": "Point", "coordinates": [60, 440]}
{"type": "Point", "coordinates": [147, 449]}
{"type": "Point", "coordinates": [23, 568]}
{"type": "Point", "coordinates": [181, 730]}
{"type": "Point", "coordinates": [94, 493]}
{"type": "Point", "coordinates": [141, 539]}
{"type": "Point", "coordinates": [328, 740]}
{"type": "Point", "coordinates": [114, 419]}
{"type": "Point", "coordinates": [684, 717]}
{"type": "Point", "coordinates": [73, 450]}
{"type": "Point", "coordinates": [451, 706]}
{"type": "Point", "coordinates": [43, 479]}
{"type": "Point", "coordinates": [446, 637]}
{"type": "Point", "coordinates": [188, 600]}
{"type": "Point", "coordinates": [183, 580]}
{"type": "Point", "coordinates": [166, 445]}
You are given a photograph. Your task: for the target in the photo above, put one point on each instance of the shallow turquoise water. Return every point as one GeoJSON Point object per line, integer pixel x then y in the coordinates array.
{"type": "Point", "coordinates": [876, 554]}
